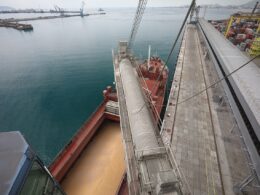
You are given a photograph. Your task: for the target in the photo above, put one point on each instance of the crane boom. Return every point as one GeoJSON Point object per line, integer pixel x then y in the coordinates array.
{"type": "Point", "coordinates": [137, 21]}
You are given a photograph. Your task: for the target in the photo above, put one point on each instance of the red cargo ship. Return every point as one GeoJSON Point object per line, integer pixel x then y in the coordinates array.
{"type": "Point", "coordinates": [93, 161]}
{"type": "Point", "coordinates": [154, 79]}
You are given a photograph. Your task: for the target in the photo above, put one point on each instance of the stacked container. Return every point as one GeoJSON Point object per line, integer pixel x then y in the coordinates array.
{"type": "Point", "coordinates": [242, 30]}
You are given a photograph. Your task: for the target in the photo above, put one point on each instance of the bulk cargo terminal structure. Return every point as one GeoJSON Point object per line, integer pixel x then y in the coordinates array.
{"type": "Point", "coordinates": [207, 142]}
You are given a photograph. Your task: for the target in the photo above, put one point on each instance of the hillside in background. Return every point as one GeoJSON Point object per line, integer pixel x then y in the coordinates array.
{"type": "Point", "coordinates": [250, 4]}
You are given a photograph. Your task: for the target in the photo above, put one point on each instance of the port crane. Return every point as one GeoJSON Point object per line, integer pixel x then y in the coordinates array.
{"type": "Point", "coordinates": [59, 10]}
{"type": "Point", "coordinates": [137, 20]}
{"type": "Point", "coordinates": [82, 8]}
{"type": "Point", "coordinates": [195, 9]}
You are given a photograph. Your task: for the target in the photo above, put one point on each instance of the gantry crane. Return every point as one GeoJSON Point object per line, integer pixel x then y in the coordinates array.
{"type": "Point", "coordinates": [59, 10]}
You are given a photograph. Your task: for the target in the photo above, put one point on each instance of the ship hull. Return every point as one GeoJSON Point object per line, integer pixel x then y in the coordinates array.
{"type": "Point", "coordinates": [68, 158]}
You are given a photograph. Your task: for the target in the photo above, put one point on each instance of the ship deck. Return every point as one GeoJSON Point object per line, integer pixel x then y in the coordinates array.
{"type": "Point", "coordinates": [101, 167]}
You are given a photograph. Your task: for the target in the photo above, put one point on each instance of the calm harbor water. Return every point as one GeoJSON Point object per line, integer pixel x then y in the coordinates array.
{"type": "Point", "coordinates": [51, 79]}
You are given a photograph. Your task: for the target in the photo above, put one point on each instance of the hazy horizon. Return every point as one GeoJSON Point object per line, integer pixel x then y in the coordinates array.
{"type": "Point", "coordinates": [49, 4]}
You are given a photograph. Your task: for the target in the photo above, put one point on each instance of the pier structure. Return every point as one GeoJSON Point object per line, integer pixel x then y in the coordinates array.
{"type": "Point", "coordinates": [202, 126]}
{"type": "Point", "coordinates": [50, 17]}
{"type": "Point", "coordinates": [47, 17]}
{"type": "Point", "coordinates": [15, 25]}
{"type": "Point", "coordinates": [206, 139]}
{"type": "Point", "coordinates": [14, 22]}
{"type": "Point", "coordinates": [29, 11]}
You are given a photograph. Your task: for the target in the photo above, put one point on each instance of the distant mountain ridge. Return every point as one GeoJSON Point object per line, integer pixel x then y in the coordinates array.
{"type": "Point", "coordinates": [250, 4]}
{"type": "Point", "coordinates": [6, 8]}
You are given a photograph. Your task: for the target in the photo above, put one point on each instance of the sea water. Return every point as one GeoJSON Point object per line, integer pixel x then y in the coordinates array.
{"type": "Point", "coordinates": [52, 78]}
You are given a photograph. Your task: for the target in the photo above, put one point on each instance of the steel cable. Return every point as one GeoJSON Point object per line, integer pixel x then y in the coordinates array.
{"type": "Point", "coordinates": [137, 21]}
{"type": "Point", "coordinates": [175, 42]}
{"type": "Point", "coordinates": [218, 81]}
{"type": "Point", "coordinates": [172, 49]}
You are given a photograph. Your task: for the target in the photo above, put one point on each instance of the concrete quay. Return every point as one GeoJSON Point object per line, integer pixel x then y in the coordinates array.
{"type": "Point", "coordinates": [15, 25]}
{"type": "Point", "coordinates": [13, 22]}
{"type": "Point", "coordinates": [50, 17]}
{"type": "Point", "coordinates": [202, 131]}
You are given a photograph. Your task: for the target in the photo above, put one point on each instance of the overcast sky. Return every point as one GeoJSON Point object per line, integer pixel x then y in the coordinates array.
{"type": "Point", "coordinates": [73, 4]}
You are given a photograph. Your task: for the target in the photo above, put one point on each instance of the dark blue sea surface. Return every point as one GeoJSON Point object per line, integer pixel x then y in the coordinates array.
{"type": "Point", "coordinates": [51, 79]}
